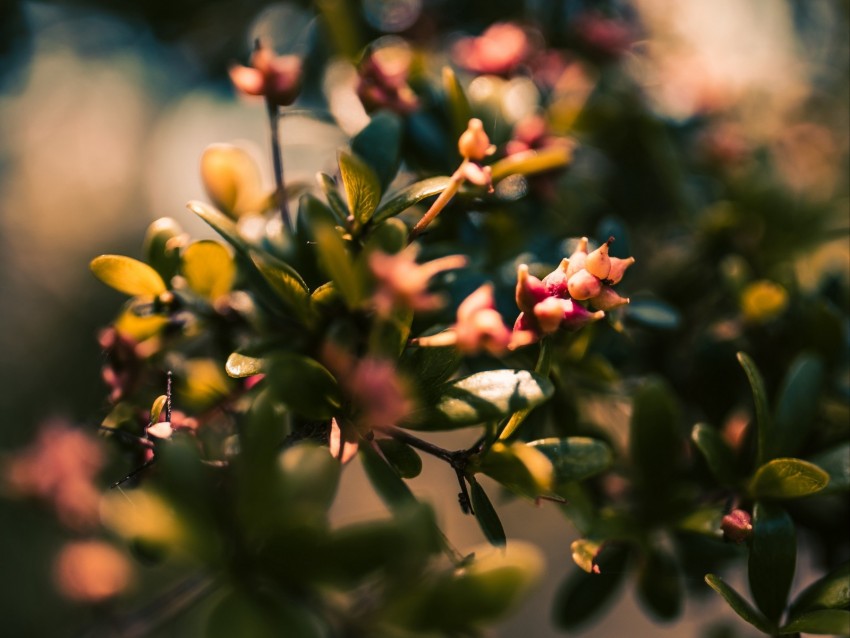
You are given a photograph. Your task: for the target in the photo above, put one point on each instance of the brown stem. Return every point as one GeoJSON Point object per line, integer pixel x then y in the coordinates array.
{"type": "Point", "coordinates": [277, 159]}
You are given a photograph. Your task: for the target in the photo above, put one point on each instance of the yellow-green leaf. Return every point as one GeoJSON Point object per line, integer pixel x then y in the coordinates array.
{"type": "Point", "coordinates": [128, 275]}
{"type": "Point", "coordinates": [788, 478]}
{"type": "Point", "coordinates": [209, 269]}
{"type": "Point", "coordinates": [240, 365]}
{"type": "Point", "coordinates": [362, 187]}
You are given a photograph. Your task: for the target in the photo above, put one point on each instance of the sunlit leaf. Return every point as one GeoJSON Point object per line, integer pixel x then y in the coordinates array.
{"type": "Point", "coordinates": [741, 607]}
{"type": "Point", "coordinates": [773, 556]}
{"type": "Point", "coordinates": [486, 515]}
{"type": "Point", "coordinates": [232, 179]}
{"type": "Point", "coordinates": [532, 162]}
{"type": "Point", "coordinates": [157, 407]}
{"type": "Point", "coordinates": [362, 187]}
{"type": "Point", "coordinates": [202, 383]}
{"type": "Point", "coordinates": [410, 195]}
{"type": "Point", "coordinates": [335, 201]}
{"type": "Point", "coordinates": [519, 467]}
{"type": "Point", "coordinates": [128, 275]}
{"type": "Point", "coordinates": [240, 365]}
{"type": "Point", "coordinates": [285, 282]}
{"type": "Point", "coordinates": [788, 478]}
{"type": "Point", "coordinates": [222, 224]}
{"type": "Point", "coordinates": [208, 268]}
{"type": "Point", "coordinates": [830, 622]}
{"type": "Point", "coordinates": [337, 263]}
{"type": "Point", "coordinates": [575, 458]}
{"type": "Point", "coordinates": [584, 552]}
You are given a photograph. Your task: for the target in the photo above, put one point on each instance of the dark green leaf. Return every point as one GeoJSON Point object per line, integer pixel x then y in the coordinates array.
{"type": "Point", "coordinates": [764, 423]}
{"type": "Point", "coordinates": [362, 187]}
{"type": "Point", "coordinates": [387, 483]}
{"type": "Point", "coordinates": [338, 265]}
{"type": "Point", "coordinates": [481, 397]}
{"type": "Point", "coordinates": [403, 458]}
{"type": "Point", "coordinates": [718, 455]}
{"type": "Point", "coordinates": [798, 403]}
{"type": "Point", "coordinates": [773, 556]}
{"type": "Point", "coordinates": [486, 515]}
{"type": "Point", "coordinates": [456, 101]}
{"type": "Point", "coordinates": [379, 145]}
{"type": "Point", "coordinates": [834, 622]}
{"type": "Point", "coordinates": [836, 463]}
{"type": "Point", "coordinates": [304, 385]}
{"type": "Point", "coordinates": [159, 249]}
{"type": "Point", "coordinates": [400, 201]}
{"type": "Point", "coordinates": [788, 478]}
{"type": "Point", "coordinates": [311, 477]}
{"type": "Point", "coordinates": [286, 283]}
{"type": "Point", "coordinates": [238, 615]}
{"type": "Point", "coordinates": [335, 200]}
{"type": "Point", "coordinates": [739, 605]}
{"type": "Point", "coordinates": [653, 313]}
{"type": "Point", "coordinates": [389, 335]}
{"type": "Point", "coordinates": [659, 586]}
{"type": "Point", "coordinates": [389, 236]}
{"type": "Point", "coordinates": [240, 365]}
{"type": "Point", "coordinates": [830, 592]}
{"type": "Point", "coordinates": [655, 442]}
{"type": "Point", "coordinates": [430, 367]}
{"type": "Point", "coordinates": [575, 458]}
{"type": "Point", "coordinates": [582, 596]}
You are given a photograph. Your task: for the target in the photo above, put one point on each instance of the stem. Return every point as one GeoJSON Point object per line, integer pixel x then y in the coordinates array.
{"type": "Point", "coordinates": [440, 203]}
{"type": "Point", "coordinates": [415, 442]}
{"type": "Point", "coordinates": [544, 363]}
{"type": "Point", "coordinates": [277, 159]}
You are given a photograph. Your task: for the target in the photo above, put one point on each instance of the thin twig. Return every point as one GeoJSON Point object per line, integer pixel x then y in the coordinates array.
{"type": "Point", "coordinates": [414, 441]}
{"type": "Point", "coordinates": [277, 159]}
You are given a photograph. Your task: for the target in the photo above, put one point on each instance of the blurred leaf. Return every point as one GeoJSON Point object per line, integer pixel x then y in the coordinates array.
{"type": "Point", "coordinates": [481, 397]}
{"type": "Point", "coordinates": [208, 268]}
{"type": "Point", "coordinates": [387, 483]}
{"type": "Point", "coordinates": [232, 179]}
{"type": "Point", "coordinates": [362, 187]}
{"type": "Point", "coordinates": [238, 615]}
{"type": "Point", "coordinates": [739, 605]}
{"type": "Point", "coordinates": [389, 236]}
{"type": "Point", "coordinates": [311, 477]}
{"type": "Point", "coordinates": [787, 478]}
{"type": "Point", "coordinates": [705, 521]}
{"type": "Point", "coordinates": [458, 105]}
{"type": "Point", "coordinates": [201, 383]}
{"type": "Point", "coordinates": [403, 458]}
{"type": "Point", "coordinates": [532, 162]}
{"type": "Point", "coordinates": [517, 466]}
{"type": "Point", "coordinates": [337, 263]}
{"type": "Point", "coordinates": [575, 458]}
{"type": "Point", "coordinates": [830, 592]}
{"type": "Point", "coordinates": [430, 367]}
{"type": "Point", "coordinates": [659, 585]}
{"type": "Point", "coordinates": [304, 385]}
{"type": "Point", "coordinates": [717, 454]}
{"type": "Point", "coordinates": [400, 201]}
{"type": "Point", "coordinates": [835, 622]}
{"type": "Point", "coordinates": [286, 283]}
{"type": "Point", "coordinates": [583, 595]}
{"type": "Point", "coordinates": [655, 443]}
{"type": "Point", "coordinates": [157, 407]}
{"type": "Point", "coordinates": [584, 552]}
{"type": "Point", "coordinates": [335, 201]}
{"type": "Point", "coordinates": [763, 421]}
{"type": "Point", "coordinates": [773, 556]}
{"type": "Point", "coordinates": [222, 224]}
{"type": "Point", "coordinates": [798, 404]}
{"type": "Point", "coordinates": [836, 462]}
{"type": "Point", "coordinates": [486, 515]}
{"type": "Point", "coordinates": [239, 366]}
{"type": "Point", "coordinates": [128, 275]}
{"type": "Point", "coordinates": [653, 313]}
{"type": "Point", "coordinates": [388, 336]}
{"type": "Point", "coordinates": [160, 247]}
{"type": "Point", "coordinates": [379, 145]}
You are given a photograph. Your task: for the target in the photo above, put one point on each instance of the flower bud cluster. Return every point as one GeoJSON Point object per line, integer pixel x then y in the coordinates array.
{"type": "Point", "coordinates": [552, 304]}
{"type": "Point", "coordinates": [275, 77]}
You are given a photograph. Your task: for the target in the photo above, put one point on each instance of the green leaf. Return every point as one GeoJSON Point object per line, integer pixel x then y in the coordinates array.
{"type": "Point", "coordinates": [128, 275]}
{"type": "Point", "coordinates": [403, 458]}
{"type": "Point", "coordinates": [387, 483]}
{"type": "Point", "coordinates": [304, 385]}
{"type": "Point", "coordinates": [389, 237]}
{"type": "Point", "coordinates": [835, 462]}
{"type": "Point", "coordinates": [362, 187]}
{"type": "Point", "coordinates": [518, 467]}
{"type": "Point", "coordinates": [655, 442]}
{"type": "Point", "coordinates": [763, 421]}
{"type": "Point", "coordinates": [798, 404]}
{"type": "Point", "coordinates": [388, 336]}
{"type": "Point", "coordinates": [575, 458]}
{"type": "Point", "coordinates": [161, 247]}
{"type": "Point", "coordinates": [337, 204]}
{"type": "Point", "coordinates": [830, 592]}
{"type": "Point", "coordinates": [337, 263]}
{"type": "Point", "coordinates": [157, 407]}
{"type": "Point", "coordinates": [238, 615]}
{"type": "Point", "coordinates": [834, 622]}
{"type": "Point", "coordinates": [311, 477]}
{"type": "Point", "coordinates": [653, 313]}
{"type": "Point", "coordinates": [208, 268]}
{"type": "Point", "coordinates": [582, 595]}
{"type": "Point", "coordinates": [485, 396]}
{"type": "Point", "coordinates": [718, 455]}
{"type": "Point", "coordinates": [239, 366]}
{"type": "Point", "coordinates": [706, 521]}
{"type": "Point", "coordinates": [787, 478]}
{"type": "Point", "coordinates": [457, 102]}
{"type": "Point", "coordinates": [379, 145]}
{"type": "Point", "coordinates": [585, 551]}
{"type": "Point", "coordinates": [286, 283]}
{"type": "Point", "coordinates": [532, 162]}
{"type": "Point", "coordinates": [739, 605]}
{"type": "Point", "coordinates": [221, 223]}
{"type": "Point", "coordinates": [773, 556]}
{"type": "Point", "coordinates": [659, 586]}
{"type": "Point", "coordinates": [486, 515]}
{"type": "Point", "coordinates": [430, 367]}
{"type": "Point", "coordinates": [408, 196]}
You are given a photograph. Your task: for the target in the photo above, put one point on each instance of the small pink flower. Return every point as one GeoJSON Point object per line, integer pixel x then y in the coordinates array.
{"type": "Point", "coordinates": [275, 77]}
{"type": "Point", "coordinates": [383, 82]}
{"type": "Point", "coordinates": [737, 526]}
{"type": "Point", "coordinates": [607, 37]}
{"type": "Point", "coordinates": [401, 282]}
{"type": "Point", "coordinates": [91, 571]}
{"type": "Point", "coordinates": [123, 369]}
{"type": "Point", "coordinates": [497, 51]}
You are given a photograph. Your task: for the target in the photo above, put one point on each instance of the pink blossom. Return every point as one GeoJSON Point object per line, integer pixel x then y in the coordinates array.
{"type": "Point", "coordinates": [497, 51]}
{"type": "Point", "coordinates": [277, 78]}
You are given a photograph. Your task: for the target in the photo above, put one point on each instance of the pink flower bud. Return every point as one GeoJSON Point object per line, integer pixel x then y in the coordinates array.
{"type": "Point", "coordinates": [577, 316]}
{"type": "Point", "coordinates": [618, 268]}
{"type": "Point", "coordinates": [277, 78]}
{"type": "Point", "coordinates": [737, 526]}
{"type": "Point", "coordinates": [582, 285]}
{"type": "Point", "coordinates": [550, 313]}
{"type": "Point", "coordinates": [607, 299]}
{"type": "Point", "coordinates": [578, 257]}
{"type": "Point", "coordinates": [474, 143]}
{"type": "Point", "coordinates": [529, 290]}
{"type": "Point", "coordinates": [556, 281]}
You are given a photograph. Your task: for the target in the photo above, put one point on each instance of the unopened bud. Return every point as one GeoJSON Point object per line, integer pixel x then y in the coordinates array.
{"type": "Point", "coordinates": [556, 281]}
{"type": "Point", "coordinates": [737, 526]}
{"type": "Point", "coordinates": [598, 263]}
{"type": "Point", "coordinates": [618, 268]}
{"type": "Point", "coordinates": [474, 143]}
{"type": "Point", "coordinates": [607, 299]}
{"type": "Point", "coordinates": [583, 285]}
{"type": "Point", "coordinates": [529, 289]}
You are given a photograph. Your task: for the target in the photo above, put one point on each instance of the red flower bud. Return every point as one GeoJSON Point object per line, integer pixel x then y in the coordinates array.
{"type": "Point", "coordinates": [737, 526]}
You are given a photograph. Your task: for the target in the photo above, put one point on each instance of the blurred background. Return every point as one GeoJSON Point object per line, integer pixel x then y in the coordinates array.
{"type": "Point", "coordinates": [106, 107]}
